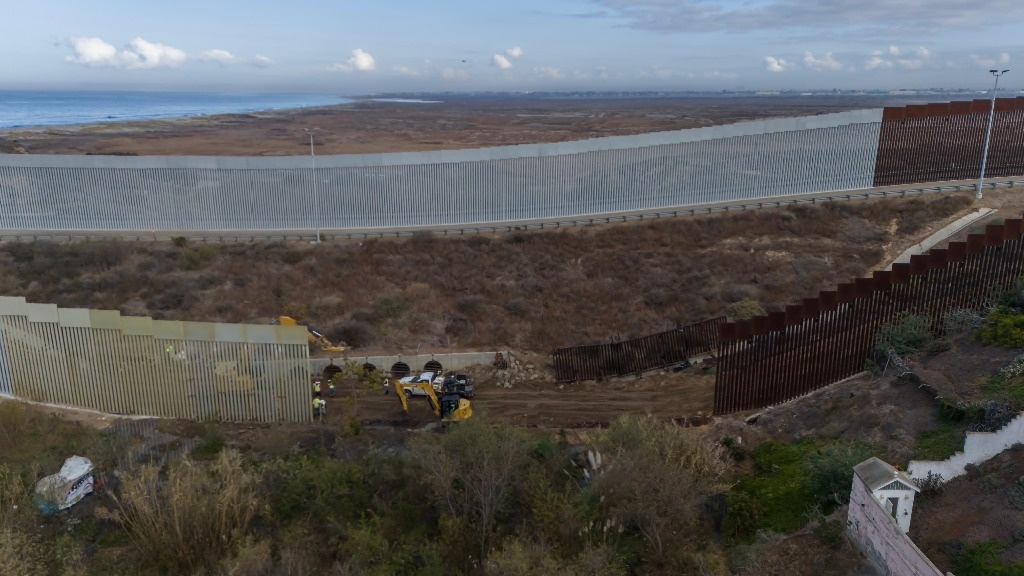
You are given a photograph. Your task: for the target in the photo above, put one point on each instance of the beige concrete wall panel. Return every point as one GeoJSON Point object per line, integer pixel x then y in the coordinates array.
{"type": "Point", "coordinates": [12, 305]}
{"type": "Point", "coordinates": [142, 364]}
{"type": "Point", "coordinates": [57, 363]}
{"type": "Point", "coordinates": [101, 360]}
{"type": "Point", "coordinates": [74, 317]}
{"type": "Point", "coordinates": [200, 331]}
{"type": "Point", "coordinates": [106, 319]}
{"type": "Point", "coordinates": [141, 325]}
{"type": "Point", "coordinates": [41, 313]}
{"type": "Point", "coordinates": [224, 332]}
{"type": "Point", "coordinates": [5, 369]}
{"type": "Point", "coordinates": [83, 367]}
{"type": "Point", "coordinates": [168, 330]}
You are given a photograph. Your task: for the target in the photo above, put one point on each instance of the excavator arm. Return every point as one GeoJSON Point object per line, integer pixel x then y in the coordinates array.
{"type": "Point", "coordinates": [315, 338]}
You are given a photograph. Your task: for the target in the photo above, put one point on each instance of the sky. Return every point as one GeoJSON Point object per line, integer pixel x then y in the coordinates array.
{"type": "Point", "coordinates": [360, 47]}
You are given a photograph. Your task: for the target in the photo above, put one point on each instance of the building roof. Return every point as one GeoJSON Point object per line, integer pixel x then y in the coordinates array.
{"type": "Point", "coordinates": [878, 474]}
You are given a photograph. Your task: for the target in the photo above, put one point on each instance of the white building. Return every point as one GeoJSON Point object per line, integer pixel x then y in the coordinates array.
{"type": "Point", "coordinates": [893, 489]}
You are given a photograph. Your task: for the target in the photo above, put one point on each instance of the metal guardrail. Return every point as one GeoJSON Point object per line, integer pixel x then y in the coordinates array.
{"type": "Point", "coordinates": [506, 227]}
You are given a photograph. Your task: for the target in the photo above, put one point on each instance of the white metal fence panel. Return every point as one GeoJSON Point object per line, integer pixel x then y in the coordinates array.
{"type": "Point", "coordinates": [748, 160]}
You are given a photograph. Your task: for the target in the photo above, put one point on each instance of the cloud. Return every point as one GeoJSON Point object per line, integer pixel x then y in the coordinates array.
{"type": "Point", "coordinates": [454, 74]}
{"type": "Point", "coordinates": [216, 55]}
{"type": "Point", "coordinates": [359, 61]}
{"type": "Point", "coordinates": [262, 61]}
{"type": "Point", "coordinates": [144, 54]}
{"type": "Point", "coordinates": [853, 16]}
{"type": "Point", "coordinates": [988, 62]}
{"type": "Point", "coordinates": [773, 64]}
{"type": "Point", "coordinates": [876, 61]}
{"type": "Point", "coordinates": [92, 52]}
{"type": "Point", "coordinates": [406, 71]}
{"type": "Point", "coordinates": [501, 61]}
{"type": "Point", "coordinates": [139, 53]}
{"type": "Point", "coordinates": [825, 63]}
{"type": "Point", "coordinates": [550, 73]}
{"type": "Point", "coordinates": [894, 56]}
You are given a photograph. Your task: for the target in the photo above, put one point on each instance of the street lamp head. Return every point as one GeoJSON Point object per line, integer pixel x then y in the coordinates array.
{"type": "Point", "coordinates": [993, 71]}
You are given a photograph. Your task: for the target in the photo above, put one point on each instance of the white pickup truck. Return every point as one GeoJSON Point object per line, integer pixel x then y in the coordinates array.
{"type": "Point", "coordinates": [409, 388]}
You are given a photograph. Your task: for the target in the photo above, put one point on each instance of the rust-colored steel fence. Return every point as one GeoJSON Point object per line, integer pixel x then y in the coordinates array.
{"type": "Point", "coordinates": [636, 355]}
{"type": "Point", "coordinates": [945, 141]}
{"type": "Point", "coordinates": [771, 359]}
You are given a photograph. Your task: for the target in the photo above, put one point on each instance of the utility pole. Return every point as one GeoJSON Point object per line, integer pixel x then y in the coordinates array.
{"type": "Point", "coordinates": [316, 197]}
{"type": "Point", "coordinates": [988, 133]}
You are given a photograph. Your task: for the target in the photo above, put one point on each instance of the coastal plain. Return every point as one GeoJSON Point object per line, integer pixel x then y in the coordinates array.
{"type": "Point", "coordinates": [369, 126]}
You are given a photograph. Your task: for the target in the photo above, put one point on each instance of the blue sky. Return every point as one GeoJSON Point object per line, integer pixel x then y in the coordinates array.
{"type": "Point", "coordinates": [353, 47]}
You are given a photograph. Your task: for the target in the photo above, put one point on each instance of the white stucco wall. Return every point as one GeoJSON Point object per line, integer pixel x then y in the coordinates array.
{"type": "Point", "coordinates": [978, 447]}
{"type": "Point", "coordinates": [904, 509]}
{"type": "Point", "coordinates": [881, 539]}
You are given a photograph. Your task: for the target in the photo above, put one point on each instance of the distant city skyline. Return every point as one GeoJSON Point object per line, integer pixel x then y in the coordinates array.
{"type": "Point", "coordinates": [348, 47]}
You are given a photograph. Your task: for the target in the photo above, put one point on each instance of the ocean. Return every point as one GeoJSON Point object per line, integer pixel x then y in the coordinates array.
{"type": "Point", "coordinates": [25, 108]}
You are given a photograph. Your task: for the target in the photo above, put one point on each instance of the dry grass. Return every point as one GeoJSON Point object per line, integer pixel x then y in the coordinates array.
{"type": "Point", "coordinates": [189, 517]}
{"type": "Point", "coordinates": [533, 292]}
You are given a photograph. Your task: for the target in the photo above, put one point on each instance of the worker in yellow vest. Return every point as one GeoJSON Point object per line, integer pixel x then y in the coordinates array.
{"type": "Point", "coordinates": [316, 408]}
{"type": "Point", "coordinates": [330, 388]}
{"type": "Point", "coordinates": [316, 387]}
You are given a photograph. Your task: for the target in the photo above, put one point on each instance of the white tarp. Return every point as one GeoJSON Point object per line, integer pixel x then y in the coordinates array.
{"type": "Point", "coordinates": [65, 488]}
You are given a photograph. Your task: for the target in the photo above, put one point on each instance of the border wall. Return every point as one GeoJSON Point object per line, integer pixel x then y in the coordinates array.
{"type": "Point", "coordinates": [945, 141]}
{"type": "Point", "coordinates": [757, 159]}
{"type": "Point", "coordinates": [100, 360]}
{"type": "Point", "coordinates": [771, 359]}
{"type": "Point", "coordinates": [636, 355]}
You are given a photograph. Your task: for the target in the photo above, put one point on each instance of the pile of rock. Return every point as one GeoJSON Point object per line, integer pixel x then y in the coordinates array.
{"type": "Point", "coordinates": [518, 370]}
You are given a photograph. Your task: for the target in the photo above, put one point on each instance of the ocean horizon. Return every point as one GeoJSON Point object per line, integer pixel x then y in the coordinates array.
{"type": "Point", "coordinates": [34, 108]}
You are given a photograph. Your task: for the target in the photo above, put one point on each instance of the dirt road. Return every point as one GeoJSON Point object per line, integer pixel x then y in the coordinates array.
{"type": "Point", "coordinates": [545, 404]}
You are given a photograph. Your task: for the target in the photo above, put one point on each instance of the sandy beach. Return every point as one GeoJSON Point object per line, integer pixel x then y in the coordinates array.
{"type": "Point", "coordinates": [368, 126]}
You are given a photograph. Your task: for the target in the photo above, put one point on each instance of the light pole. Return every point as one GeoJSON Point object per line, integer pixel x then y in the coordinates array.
{"type": "Point", "coordinates": [316, 198]}
{"type": "Point", "coordinates": [988, 133]}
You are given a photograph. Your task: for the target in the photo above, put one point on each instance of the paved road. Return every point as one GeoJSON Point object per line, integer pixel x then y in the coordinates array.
{"type": "Point", "coordinates": [513, 226]}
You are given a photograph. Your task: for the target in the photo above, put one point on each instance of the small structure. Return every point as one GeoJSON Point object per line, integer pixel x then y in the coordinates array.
{"type": "Point", "coordinates": [893, 489]}
{"type": "Point", "coordinates": [881, 504]}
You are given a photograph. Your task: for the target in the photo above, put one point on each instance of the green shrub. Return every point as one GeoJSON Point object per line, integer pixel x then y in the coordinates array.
{"type": "Point", "coordinates": [941, 443]}
{"type": "Point", "coordinates": [196, 258]}
{"type": "Point", "coordinates": [1003, 327]}
{"type": "Point", "coordinates": [314, 488]}
{"type": "Point", "coordinates": [179, 241]}
{"type": "Point", "coordinates": [745, 309]}
{"type": "Point", "coordinates": [830, 471]}
{"type": "Point", "coordinates": [906, 336]}
{"type": "Point", "coordinates": [211, 442]}
{"type": "Point", "coordinates": [391, 306]}
{"type": "Point", "coordinates": [743, 516]}
{"type": "Point", "coordinates": [985, 559]}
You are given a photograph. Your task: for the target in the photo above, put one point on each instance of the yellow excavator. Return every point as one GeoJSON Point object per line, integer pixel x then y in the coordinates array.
{"type": "Point", "coordinates": [315, 338]}
{"type": "Point", "coordinates": [450, 408]}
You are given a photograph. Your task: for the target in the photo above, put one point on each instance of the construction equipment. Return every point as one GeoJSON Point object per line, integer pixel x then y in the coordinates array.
{"type": "Point", "coordinates": [459, 384]}
{"type": "Point", "coordinates": [449, 408]}
{"type": "Point", "coordinates": [315, 338]}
